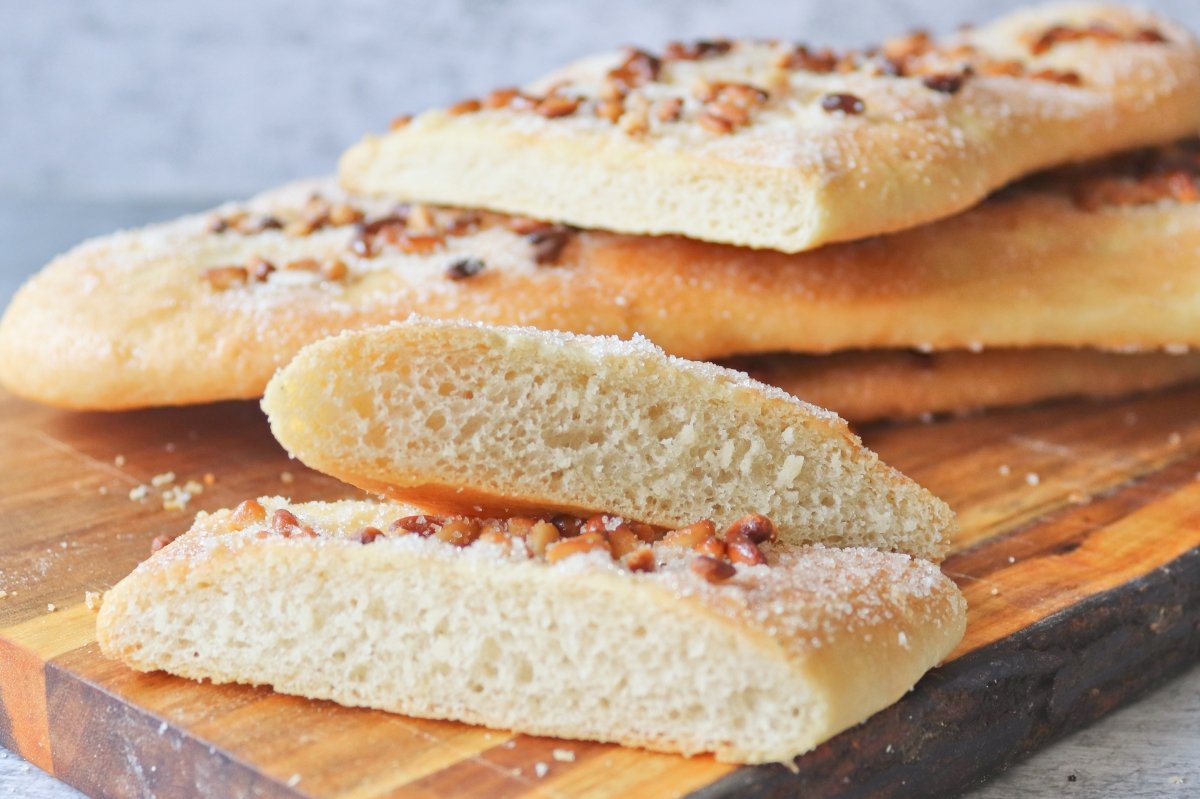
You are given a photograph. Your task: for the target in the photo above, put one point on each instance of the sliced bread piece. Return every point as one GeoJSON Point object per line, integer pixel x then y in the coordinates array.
{"type": "Point", "coordinates": [494, 420]}
{"type": "Point", "coordinates": [759, 665]}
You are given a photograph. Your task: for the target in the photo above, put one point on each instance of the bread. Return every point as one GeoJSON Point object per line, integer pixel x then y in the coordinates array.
{"type": "Point", "coordinates": [1103, 256]}
{"type": "Point", "coordinates": [866, 386]}
{"type": "Point", "coordinates": [467, 418]}
{"type": "Point", "coordinates": [773, 145]}
{"type": "Point", "coordinates": [760, 667]}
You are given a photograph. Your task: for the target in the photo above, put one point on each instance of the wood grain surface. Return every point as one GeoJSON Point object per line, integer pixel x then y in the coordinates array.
{"type": "Point", "coordinates": [1079, 554]}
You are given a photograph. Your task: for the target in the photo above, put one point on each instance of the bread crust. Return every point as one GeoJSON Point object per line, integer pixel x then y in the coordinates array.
{"type": "Point", "coordinates": [868, 386]}
{"type": "Point", "coordinates": [127, 320]}
{"type": "Point", "coordinates": [473, 418]}
{"type": "Point", "coordinates": [796, 176]}
{"type": "Point", "coordinates": [854, 629]}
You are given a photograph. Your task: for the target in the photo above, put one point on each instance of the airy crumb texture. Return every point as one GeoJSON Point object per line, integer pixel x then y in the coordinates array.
{"type": "Point", "coordinates": [779, 146]}
{"type": "Point", "coordinates": [760, 668]}
{"type": "Point", "coordinates": [466, 417]}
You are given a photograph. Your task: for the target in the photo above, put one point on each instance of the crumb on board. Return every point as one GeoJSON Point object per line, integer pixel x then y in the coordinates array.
{"type": "Point", "coordinates": [3, 593]}
{"type": "Point", "coordinates": [51, 607]}
{"type": "Point", "coordinates": [160, 480]}
{"type": "Point", "coordinates": [193, 487]}
{"type": "Point", "coordinates": [92, 600]}
{"type": "Point", "coordinates": [210, 479]}
{"type": "Point", "coordinates": [287, 477]}
{"type": "Point", "coordinates": [1032, 478]}
{"type": "Point", "coordinates": [541, 769]}
{"type": "Point", "coordinates": [1005, 469]}
{"type": "Point", "coordinates": [995, 591]}
{"type": "Point", "coordinates": [139, 492]}
{"type": "Point", "coordinates": [293, 781]}
{"type": "Point", "coordinates": [119, 460]}
{"type": "Point", "coordinates": [563, 755]}
{"type": "Point", "coordinates": [176, 498]}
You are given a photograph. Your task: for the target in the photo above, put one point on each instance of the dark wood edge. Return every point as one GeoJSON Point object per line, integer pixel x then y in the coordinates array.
{"type": "Point", "coordinates": [983, 712]}
{"type": "Point", "coordinates": [106, 747]}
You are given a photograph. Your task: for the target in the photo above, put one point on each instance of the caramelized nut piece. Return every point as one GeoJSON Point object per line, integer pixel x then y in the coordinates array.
{"type": "Point", "coordinates": [714, 123]}
{"type": "Point", "coordinates": [522, 525]}
{"type": "Point", "coordinates": [741, 549]}
{"type": "Point", "coordinates": [334, 270]}
{"type": "Point", "coordinates": [623, 541]}
{"type": "Point", "coordinates": [691, 536]}
{"type": "Point", "coordinates": [843, 103]}
{"type": "Point", "coordinates": [500, 98]}
{"type": "Point", "coordinates": [524, 225]}
{"type": "Point", "coordinates": [610, 110]}
{"type": "Point", "coordinates": [247, 513]}
{"type": "Point", "coordinates": [418, 244]}
{"type": "Point", "coordinates": [467, 106]}
{"type": "Point", "coordinates": [641, 560]}
{"type": "Point", "coordinates": [368, 535]}
{"type": "Point", "coordinates": [645, 532]}
{"type": "Point", "coordinates": [549, 243]}
{"type": "Point", "coordinates": [540, 536]}
{"type": "Point", "coordinates": [669, 109]}
{"type": "Point", "coordinates": [421, 218]}
{"type": "Point", "coordinates": [400, 122]}
{"type": "Point", "coordinates": [711, 569]}
{"type": "Point", "coordinates": [285, 523]}
{"type": "Point", "coordinates": [585, 542]}
{"type": "Point", "coordinates": [495, 537]}
{"type": "Point", "coordinates": [946, 84]}
{"type": "Point", "coordinates": [303, 265]}
{"type": "Point", "coordinates": [224, 277]}
{"type": "Point", "coordinates": [568, 526]}
{"type": "Point", "coordinates": [459, 530]}
{"type": "Point", "coordinates": [259, 268]}
{"type": "Point", "coordinates": [423, 525]}
{"type": "Point", "coordinates": [464, 268]}
{"type": "Point", "coordinates": [755, 526]}
{"type": "Point", "coordinates": [712, 546]}
{"type": "Point", "coordinates": [595, 524]}
{"type": "Point", "coordinates": [161, 541]}
{"type": "Point", "coordinates": [556, 106]}
{"type": "Point", "coordinates": [344, 214]}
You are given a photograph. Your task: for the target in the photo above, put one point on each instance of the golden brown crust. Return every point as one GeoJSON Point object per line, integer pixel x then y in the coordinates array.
{"type": "Point", "coordinates": [128, 320]}
{"type": "Point", "coordinates": [866, 386]}
{"type": "Point", "coordinates": [774, 151]}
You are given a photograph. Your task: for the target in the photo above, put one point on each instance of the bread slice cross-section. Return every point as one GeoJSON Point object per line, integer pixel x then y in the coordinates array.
{"type": "Point", "coordinates": [470, 418]}
{"type": "Point", "coordinates": [315, 599]}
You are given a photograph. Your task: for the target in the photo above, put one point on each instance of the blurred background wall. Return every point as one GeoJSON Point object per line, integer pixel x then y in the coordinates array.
{"type": "Point", "coordinates": [113, 99]}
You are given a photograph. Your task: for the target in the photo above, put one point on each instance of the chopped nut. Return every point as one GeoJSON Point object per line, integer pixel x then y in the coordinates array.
{"type": "Point", "coordinates": [91, 600]}
{"type": "Point", "coordinates": [464, 107]}
{"type": "Point", "coordinates": [161, 541]}
{"type": "Point", "coordinates": [524, 225]}
{"type": "Point", "coordinates": [303, 265]}
{"type": "Point", "coordinates": [713, 547]}
{"type": "Point", "coordinates": [741, 549]}
{"type": "Point", "coordinates": [367, 535]}
{"type": "Point", "coordinates": [843, 103]}
{"type": "Point", "coordinates": [247, 513]}
{"type": "Point", "coordinates": [638, 68]}
{"type": "Point", "coordinates": [285, 523]}
{"type": "Point", "coordinates": [459, 530]}
{"type": "Point", "coordinates": [610, 110]}
{"type": "Point", "coordinates": [568, 526]}
{"type": "Point", "coordinates": [259, 268]}
{"type": "Point", "coordinates": [421, 218]}
{"type": "Point", "coordinates": [946, 84]}
{"type": "Point", "coordinates": [549, 243]}
{"type": "Point", "coordinates": [540, 536]}
{"type": "Point", "coordinates": [500, 98]}
{"type": "Point", "coordinates": [820, 61]}
{"type": "Point", "coordinates": [711, 569]}
{"type": "Point", "coordinates": [224, 277]}
{"type": "Point", "coordinates": [691, 536]}
{"type": "Point", "coordinates": [399, 122]}
{"type": "Point", "coordinates": [557, 106]}
{"type": "Point", "coordinates": [623, 541]}
{"type": "Point", "coordinates": [344, 214]}
{"type": "Point", "coordinates": [422, 525]}
{"type": "Point", "coordinates": [694, 51]}
{"type": "Point", "coordinates": [418, 244]}
{"type": "Point", "coordinates": [464, 268]}
{"type": "Point", "coordinates": [1057, 76]}
{"type": "Point", "coordinates": [714, 123]}
{"type": "Point", "coordinates": [584, 542]}
{"type": "Point", "coordinates": [334, 270]}
{"type": "Point", "coordinates": [754, 526]}
{"type": "Point", "coordinates": [641, 560]}
{"type": "Point", "coordinates": [730, 112]}
{"type": "Point", "coordinates": [669, 109]}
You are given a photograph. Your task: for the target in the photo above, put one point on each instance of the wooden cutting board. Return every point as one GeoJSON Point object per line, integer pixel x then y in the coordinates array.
{"type": "Point", "coordinates": [1079, 554]}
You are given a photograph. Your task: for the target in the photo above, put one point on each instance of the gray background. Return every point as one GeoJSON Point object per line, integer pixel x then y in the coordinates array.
{"type": "Point", "coordinates": [115, 113]}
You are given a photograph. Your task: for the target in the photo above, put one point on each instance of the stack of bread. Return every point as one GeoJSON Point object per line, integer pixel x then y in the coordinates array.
{"type": "Point", "coordinates": [822, 218]}
{"type": "Point", "coordinates": [718, 565]}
